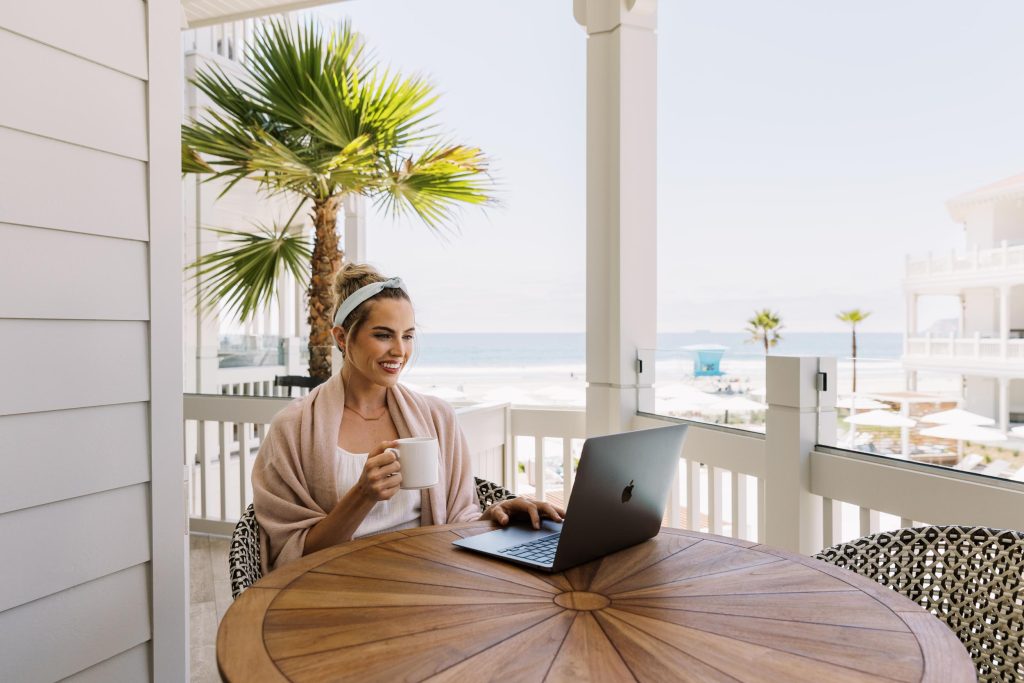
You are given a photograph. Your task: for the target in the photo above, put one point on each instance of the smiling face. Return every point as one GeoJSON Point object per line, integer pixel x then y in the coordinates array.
{"type": "Point", "coordinates": [382, 345]}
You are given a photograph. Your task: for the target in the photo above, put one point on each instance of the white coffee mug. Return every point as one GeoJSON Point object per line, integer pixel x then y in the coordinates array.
{"type": "Point", "coordinates": [418, 457]}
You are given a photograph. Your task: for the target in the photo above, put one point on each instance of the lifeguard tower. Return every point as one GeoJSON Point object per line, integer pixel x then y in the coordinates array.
{"type": "Point", "coordinates": [706, 358]}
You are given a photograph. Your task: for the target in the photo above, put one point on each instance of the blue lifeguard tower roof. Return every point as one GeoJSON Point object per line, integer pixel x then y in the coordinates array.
{"type": "Point", "coordinates": [706, 358]}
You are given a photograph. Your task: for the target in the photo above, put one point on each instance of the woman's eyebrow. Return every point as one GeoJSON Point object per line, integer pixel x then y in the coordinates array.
{"type": "Point", "coordinates": [384, 328]}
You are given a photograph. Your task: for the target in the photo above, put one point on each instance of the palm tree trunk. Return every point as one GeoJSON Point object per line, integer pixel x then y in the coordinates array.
{"type": "Point", "coordinates": [855, 360]}
{"type": "Point", "coordinates": [765, 339]}
{"type": "Point", "coordinates": [326, 260]}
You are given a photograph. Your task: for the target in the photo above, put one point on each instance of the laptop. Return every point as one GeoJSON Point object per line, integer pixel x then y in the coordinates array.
{"type": "Point", "coordinates": [618, 499]}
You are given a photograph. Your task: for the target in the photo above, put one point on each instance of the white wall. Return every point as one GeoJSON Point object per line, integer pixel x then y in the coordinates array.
{"type": "Point", "coordinates": [981, 395]}
{"type": "Point", "coordinates": [981, 312]}
{"type": "Point", "coordinates": [1008, 222]}
{"type": "Point", "coordinates": [91, 497]}
{"type": "Point", "coordinates": [978, 223]}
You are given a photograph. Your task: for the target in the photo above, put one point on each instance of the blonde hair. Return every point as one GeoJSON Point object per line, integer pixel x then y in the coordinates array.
{"type": "Point", "coordinates": [354, 276]}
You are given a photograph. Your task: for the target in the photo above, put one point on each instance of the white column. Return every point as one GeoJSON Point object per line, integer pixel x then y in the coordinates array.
{"type": "Point", "coordinates": [168, 571]}
{"type": "Point", "coordinates": [355, 228]}
{"type": "Point", "coordinates": [621, 204]}
{"type": "Point", "coordinates": [1004, 318]}
{"type": "Point", "coordinates": [1004, 403]}
{"type": "Point", "coordinates": [799, 416]}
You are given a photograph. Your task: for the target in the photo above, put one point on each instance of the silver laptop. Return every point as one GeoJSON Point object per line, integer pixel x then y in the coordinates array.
{"type": "Point", "coordinates": [618, 499]}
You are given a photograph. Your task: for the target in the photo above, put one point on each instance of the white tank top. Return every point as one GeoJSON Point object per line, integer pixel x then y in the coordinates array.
{"type": "Point", "coordinates": [402, 511]}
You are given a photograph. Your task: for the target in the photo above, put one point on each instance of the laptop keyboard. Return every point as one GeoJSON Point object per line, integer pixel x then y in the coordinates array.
{"type": "Point", "coordinates": [541, 551]}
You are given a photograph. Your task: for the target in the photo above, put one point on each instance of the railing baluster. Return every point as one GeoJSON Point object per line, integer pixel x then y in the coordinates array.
{"type": "Point", "coordinates": [828, 523]}
{"type": "Point", "coordinates": [538, 467]}
{"type": "Point", "coordinates": [225, 449]}
{"type": "Point", "coordinates": [693, 495]}
{"type": "Point", "coordinates": [243, 456]}
{"type": "Point", "coordinates": [203, 455]}
{"type": "Point", "coordinates": [714, 500]}
{"type": "Point", "coordinates": [739, 505]}
{"type": "Point", "coordinates": [762, 520]}
{"type": "Point", "coordinates": [566, 469]}
{"type": "Point", "coordinates": [673, 499]}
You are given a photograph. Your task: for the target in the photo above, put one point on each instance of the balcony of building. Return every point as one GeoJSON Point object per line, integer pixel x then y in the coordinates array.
{"type": "Point", "coordinates": [789, 487]}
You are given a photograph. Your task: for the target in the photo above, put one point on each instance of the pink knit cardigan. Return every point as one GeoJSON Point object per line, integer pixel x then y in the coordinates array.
{"type": "Point", "coordinates": [294, 481]}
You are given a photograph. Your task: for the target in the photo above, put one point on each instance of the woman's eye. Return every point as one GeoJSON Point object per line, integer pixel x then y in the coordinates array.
{"type": "Point", "coordinates": [383, 336]}
{"type": "Point", "coordinates": [409, 337]}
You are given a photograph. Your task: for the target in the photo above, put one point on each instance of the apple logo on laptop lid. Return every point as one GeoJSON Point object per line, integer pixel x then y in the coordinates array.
{"type": "Point", "coordinates": [627, 492]}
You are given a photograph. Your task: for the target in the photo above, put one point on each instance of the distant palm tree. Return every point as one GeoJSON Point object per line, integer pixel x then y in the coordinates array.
{"type": "Point", "coordinates": [853, 316]}
{"type": "Point", "coordinates": [764, 327]}
{"type": "Point", "coordinates": [313, 117]}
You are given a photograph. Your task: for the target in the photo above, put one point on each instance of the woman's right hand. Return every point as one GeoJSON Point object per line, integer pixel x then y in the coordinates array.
{"type": "Point", "coordinates": [381, 477]}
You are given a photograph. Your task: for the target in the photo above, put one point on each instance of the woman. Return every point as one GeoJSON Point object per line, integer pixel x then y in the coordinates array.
{"type": "Point", "coordinates": [324, 475]}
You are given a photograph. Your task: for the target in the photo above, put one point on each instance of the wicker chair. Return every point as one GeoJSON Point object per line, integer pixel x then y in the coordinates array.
{"type": "Point", "coordinates": [244, 554]}
{"type": "Point", "coordinates": [970, 577]}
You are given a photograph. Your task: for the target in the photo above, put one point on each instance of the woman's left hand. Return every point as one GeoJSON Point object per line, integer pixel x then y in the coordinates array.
{"type": "Point", "coordinates": [510, 508]}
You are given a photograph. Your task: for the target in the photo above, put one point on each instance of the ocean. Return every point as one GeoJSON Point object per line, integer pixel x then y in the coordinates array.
{"type": "Point", "coordinates": [550, 368]}
{"type": "Point", "coordinates": [440, 351]}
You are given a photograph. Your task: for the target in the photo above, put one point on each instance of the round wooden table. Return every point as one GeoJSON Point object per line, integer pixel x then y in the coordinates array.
{"type": "Point", "coordinates": [683, 606]}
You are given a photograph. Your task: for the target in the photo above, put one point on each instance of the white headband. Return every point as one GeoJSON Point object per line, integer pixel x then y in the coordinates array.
{"type": "Point", "coordinates": [362, 294]}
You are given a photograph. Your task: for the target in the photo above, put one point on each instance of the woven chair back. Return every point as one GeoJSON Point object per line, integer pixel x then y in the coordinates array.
{"type": "Point", "coordinates": [972, 578]}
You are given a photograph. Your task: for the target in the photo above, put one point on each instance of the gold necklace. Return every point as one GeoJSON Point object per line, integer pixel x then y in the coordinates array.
{"type": "Point", "coordinates": [368, 419]}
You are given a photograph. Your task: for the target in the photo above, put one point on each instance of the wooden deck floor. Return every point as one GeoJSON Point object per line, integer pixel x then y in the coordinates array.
{"type": "Point", "coordinates": [209, 598]}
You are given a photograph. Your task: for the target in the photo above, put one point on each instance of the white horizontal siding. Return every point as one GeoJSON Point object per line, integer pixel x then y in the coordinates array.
{"type": "Point", "coordinates": [105, 193]}
{"type": "Point", "coordinates": [83, 28]}
{"type": "Point", "coordinates": [62, 634]}
{"type": "Point", "coordinates": [69, 453]}
{"type": "Point", "coordinates": [58, 364]}
{"type": "Point", "coordinates": [59, 274]}
{"type": "Point", "coordinates": [55, 94]}
{"type": "Point", "coordinates": [72, 542]}
{"type": "Point", "coordinates": [130, 665]}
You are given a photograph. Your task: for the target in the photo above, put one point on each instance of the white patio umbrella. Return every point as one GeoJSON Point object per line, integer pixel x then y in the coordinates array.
{"type": "Point", "coordinates": [860, 403]}
{"type": "Point", "coordinates": [957, 416]}
{"type": "Point", "coordinates": [883, 418]}
{"type": "Point", "coordinates": [965, 432]}
{"type": "Point", "coordinates": [880, 418]}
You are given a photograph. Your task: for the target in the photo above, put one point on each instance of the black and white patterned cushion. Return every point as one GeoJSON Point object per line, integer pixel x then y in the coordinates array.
{"type": "Point", "coordinates": [972, 578]}
{"type": "Point", "coordinates": [244, 554]}
{"type": "Point", "coordinates": [489, 493]}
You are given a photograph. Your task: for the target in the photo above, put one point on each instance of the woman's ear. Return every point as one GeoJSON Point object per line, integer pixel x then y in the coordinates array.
{"type": "Point", "coordinates": [339, 338]}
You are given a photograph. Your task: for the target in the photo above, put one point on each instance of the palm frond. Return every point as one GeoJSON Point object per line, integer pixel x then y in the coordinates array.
{"type": "Point", "coordinates": [242, 278]}
{"type": "Point", "coordinates": [433, 185]}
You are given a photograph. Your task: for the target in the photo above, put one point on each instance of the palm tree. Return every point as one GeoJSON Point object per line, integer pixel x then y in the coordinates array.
{"type": "Point", "coordinates": [853, 316]}
{"type": "Point", "coordinates": [764, 327]}
{"type": "Point", "coordinates": [313, 117]}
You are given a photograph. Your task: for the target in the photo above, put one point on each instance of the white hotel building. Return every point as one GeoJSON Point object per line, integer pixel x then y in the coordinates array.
{"type": "Point", "coordinates": [987, 347]}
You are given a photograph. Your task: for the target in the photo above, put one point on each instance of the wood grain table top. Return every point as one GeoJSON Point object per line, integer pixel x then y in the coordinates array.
{"type": "Point", "coordinates": [683, 606]}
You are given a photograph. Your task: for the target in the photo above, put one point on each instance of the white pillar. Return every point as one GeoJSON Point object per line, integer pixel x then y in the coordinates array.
{"type": "Point", "coordinates": [355, 228]}
{"type": "Point", "coordinates": [799, 416]}
{"type": "Point", "coordinates": [621, 204]}
{"type": "Point", "coordinates": [1004, 318]}
{"type": "Point", "coordinates": [1004, 404]}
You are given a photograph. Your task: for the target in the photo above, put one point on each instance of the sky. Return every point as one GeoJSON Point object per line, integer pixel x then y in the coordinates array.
{"type": "Point", "coordinates": [804, 149]}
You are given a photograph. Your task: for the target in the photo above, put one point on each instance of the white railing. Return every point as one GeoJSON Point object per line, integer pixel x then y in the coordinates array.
{"type": "Point", "coordinates": [223, 435]}
{"type": "Point", "coordinates": [720, 487]}
{"type": "Point", "coordinates": [910, 493]}
{"type": "Point", "coordinates": [975, 347]}
{"type": "Point", "coordinates": [975, 260]}
{"type": "Point", "coordinates": [229, 41]}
